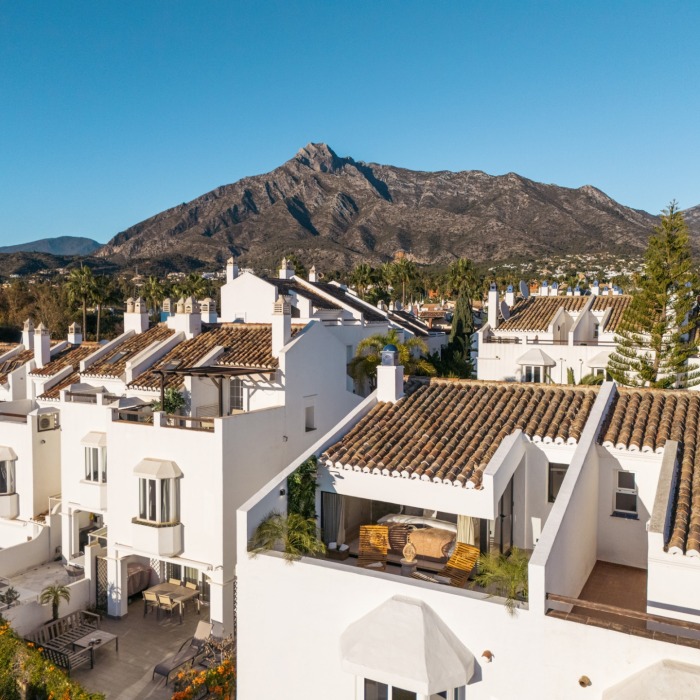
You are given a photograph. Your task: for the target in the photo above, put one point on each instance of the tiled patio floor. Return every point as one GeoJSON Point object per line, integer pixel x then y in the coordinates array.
{"type": "Point", "coordinates": [614, 584]}
{"type": "Point", "coordinates": [143, 642]}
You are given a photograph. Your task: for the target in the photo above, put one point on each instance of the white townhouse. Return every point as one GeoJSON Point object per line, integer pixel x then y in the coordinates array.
{"type": "Point", "coordinates": [596, 485]}
{"type": "Point", "coordinates": [541, 338]}
{"type": "Point", "coordinates": [247, 297]}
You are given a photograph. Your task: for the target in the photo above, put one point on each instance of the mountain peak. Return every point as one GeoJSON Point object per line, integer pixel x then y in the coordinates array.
{"type": "Point", "coordinates": [321, 157]}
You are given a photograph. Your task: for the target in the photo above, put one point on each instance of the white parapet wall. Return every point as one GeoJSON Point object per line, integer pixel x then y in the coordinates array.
{"type": "Point", "coordinates": [36, 548]}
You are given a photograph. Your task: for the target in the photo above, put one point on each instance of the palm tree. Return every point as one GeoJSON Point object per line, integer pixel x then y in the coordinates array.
{"type": "Point", "coordinates": [461, 279]}
{"type": "Point", "coordinates": [297, 535]}
{"type": "Point", "coordinates": [369, 355]}
{"type": "Point", "coordinates": [54, 595]}
{"type": "Point", "coordinates": [102, 293]}
{"type": "Point", "coordinates": [80, 286]}
{"type": "Point", "coordinates": [402, 272]}
{"type": "Point", "coordinates": [193, 285]}
{"type": "Point", "coordinates": [506, 573]}
{"type": "Point", "coordinates": [154, 293]}
{"type": "Point", "coordinates": [362, 277]}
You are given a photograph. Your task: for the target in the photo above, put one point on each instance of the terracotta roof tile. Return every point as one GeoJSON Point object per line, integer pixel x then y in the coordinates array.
{"type": "Point", "coordinates": [447, 431]}
{"type": "Point", "coordinates": [618, 304]}
{"type": "Point", "coordinates": [536, 313]}
{"type": "Point", "coordinates": [642, 420]}
{"type": "Point", "coordinates": [69, 356]}
{"type": "Point", "coordinates": [245, 345]}
{"type": "Point", "coordinates": [113, 364]}
{"type": "Point", "coordinates": [14, 363]}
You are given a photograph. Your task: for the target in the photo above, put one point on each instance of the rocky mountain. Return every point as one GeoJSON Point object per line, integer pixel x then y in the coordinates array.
{"type": "Point", "coordinates": [692, 218]}
{"type": "Point", "coordinates": [336, 211]}
{"type": "Point", "coordinates": [61, 245]}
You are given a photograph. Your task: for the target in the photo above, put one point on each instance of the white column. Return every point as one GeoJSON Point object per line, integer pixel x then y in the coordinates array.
{"type": "Point", "coordinates": [117, 580]}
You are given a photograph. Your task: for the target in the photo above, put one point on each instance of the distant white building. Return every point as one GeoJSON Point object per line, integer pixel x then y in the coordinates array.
{"type": "Point", "coordinates": [542, 338]}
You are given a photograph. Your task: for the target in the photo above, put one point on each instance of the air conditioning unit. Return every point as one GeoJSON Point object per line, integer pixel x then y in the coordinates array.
{"type": "Point", "coordinates": [48, 421]}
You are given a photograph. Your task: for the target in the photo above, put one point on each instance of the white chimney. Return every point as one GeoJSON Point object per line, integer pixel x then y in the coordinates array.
{"type": "Point", "coordinates": [286, 271]}
{"type": "Point", "coordinates": [188, 318]}
{"type": "Point", "coordinates": [595, 289]}
{"type": "Point", "coordinates": [313, 276]}
{"type": "Point", "coordinates": [208, 310]}
{"type": "Point", "coordinates": [510, 296]}
{"type": "Point", "coordinates": [569, 291]}
{"type": "Point", "coordinates": [281, 325]}
{"type": "Point", "coordinates": [390, 376]}
{"type": "Point", "coordinates": [75, 336]}
{"type": "Point", "coordinates": [231, 270]}
{"type": "Point", "coordinates": [493, 305]}
{"type": "Point", "coordinates": [42, 346]}
{"type": "Point", "coordinates": [28, 334]}
{"type": "Point", "coordinates": [554, 289]}
{"type": "Point", "coordinates": [167, 307]}
{"type": "Point", "coordinates": [381, 305]}
{"type": "Point", "coordinates": [577, 291]}
{"type": "Point", "coordinates": [136, 315]}
{"type": "Point", "coordinates": [544, 289]}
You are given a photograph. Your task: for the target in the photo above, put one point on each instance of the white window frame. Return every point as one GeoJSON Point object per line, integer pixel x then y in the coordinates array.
{"type": "Point", "coordinates": [310, 418]}
{"type": "Point", "coordinates": [95, 464]}
{"type": "Point", "coordinates": [532, 368]}
{"type": "Point", "coordinates": [560, 468]}
{"type": "Point", "coordinates": [159, 500]}
{"type": "Point", "coordinates": [451, 694]}
{"type": "Point", "coordinates": [621, 490]}
{"type": "Point", "coordinates": [236, 387]}
{"type": "Point", "coordinates": [11, 484]}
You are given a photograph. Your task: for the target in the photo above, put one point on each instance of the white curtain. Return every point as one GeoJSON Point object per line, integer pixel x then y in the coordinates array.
{"type": "Point", "coordinates": [466, 529]}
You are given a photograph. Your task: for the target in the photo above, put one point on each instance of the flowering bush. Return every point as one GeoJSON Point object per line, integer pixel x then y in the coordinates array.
{"type": "Point", "coordinates": [218, 682]}
{"type": "Point", "coordinates": [26, 675]}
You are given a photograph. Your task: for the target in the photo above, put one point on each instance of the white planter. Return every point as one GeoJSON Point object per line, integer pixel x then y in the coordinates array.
{"type": "Point", "coordinates": [9, 506]}
{"type": "Point", "coordinates": [162, 540]}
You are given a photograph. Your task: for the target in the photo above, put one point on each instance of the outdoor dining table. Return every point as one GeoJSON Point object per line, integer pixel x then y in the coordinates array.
{"type": "Point", "coordinates": [178, 594]}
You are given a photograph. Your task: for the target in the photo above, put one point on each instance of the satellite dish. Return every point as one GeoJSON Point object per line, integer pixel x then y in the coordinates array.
{"type": "Point", "coordinates": [524, 290]}
{"type": "Point", "coordinates": [505, 310]}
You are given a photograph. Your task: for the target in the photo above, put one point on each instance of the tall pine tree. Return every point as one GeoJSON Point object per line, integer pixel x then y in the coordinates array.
{"type": "Point", "coordinates": [655, 337]}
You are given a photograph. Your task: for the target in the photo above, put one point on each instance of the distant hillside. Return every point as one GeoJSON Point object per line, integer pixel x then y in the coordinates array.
{"type": "Point", "coordinates": [62, 245]}
{"type": "Point", "coordinates": [336, 212]}
{"type": "Point", "coordinates": [692, 218]}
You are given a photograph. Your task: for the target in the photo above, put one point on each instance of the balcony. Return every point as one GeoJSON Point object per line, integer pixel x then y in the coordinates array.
{"type": "Point", "coordinates": [9, 506]}
{"type": "Point", "coordinates": [159, 539]}
{"type": "Point", "coordinates": [93, 495]}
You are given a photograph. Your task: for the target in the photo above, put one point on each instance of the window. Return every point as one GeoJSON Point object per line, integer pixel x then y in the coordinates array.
{"type": "Point", "coordinates": [310, 418]}
{"type": "Point", "coordinates": [602, 372]}
{"type": "Point", "coordinates": [556, 476]}
{"type": "Point", "coordinates": [236, 395]}
{"type": "Point", "coordinates": [596, 330]}
{"type": "Point", "coordinates": [7, 477]}
{"type": "Point", "coordinates": [625, 505]}
{"type": "Point", "coordinates": [96, 464]}
{"type": "Point", "coordinates": [159, 500]}
{"type": "Point", "coordinates": [381, 691]}
{"type": "Point", "coordinates": [533, 373]}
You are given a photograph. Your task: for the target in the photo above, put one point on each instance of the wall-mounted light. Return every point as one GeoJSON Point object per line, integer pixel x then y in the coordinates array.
{"type": "Point", "coordinates": [283, 492]}
{"type": "Point", "coordinates": [42, 442]}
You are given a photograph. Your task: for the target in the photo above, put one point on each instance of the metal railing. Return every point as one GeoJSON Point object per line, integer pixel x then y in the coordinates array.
{"type": "Point", "coordinates": [13, 417]}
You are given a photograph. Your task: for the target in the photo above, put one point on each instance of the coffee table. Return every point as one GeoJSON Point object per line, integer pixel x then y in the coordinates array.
{"type": "Point", "coordinates": [96, 639]}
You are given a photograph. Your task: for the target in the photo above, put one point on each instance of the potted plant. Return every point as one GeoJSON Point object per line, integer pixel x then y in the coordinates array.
{"type": "Point", "coordinates": [292, 534]}
{"type": "Point", "coordinates": [53, 595]}
{"type": "Point", "coordinates": [507, 574]}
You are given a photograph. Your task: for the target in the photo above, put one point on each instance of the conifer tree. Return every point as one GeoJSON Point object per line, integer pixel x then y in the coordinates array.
{"type": "Point", "coordinates": [655, 337]}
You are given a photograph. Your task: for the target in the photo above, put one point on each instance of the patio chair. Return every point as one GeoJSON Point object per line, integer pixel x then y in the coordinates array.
{"type": "Point", "coordinates": [456, 571]}
{"type": "Point", "coordinates": [189, 653]}
{"type": "Point", "coordinates": [150, 600]}
{"type": "Point", "coordinates": [191, 586]}
{"type": "Point", "coordinates": [374, 545]}
{"type": "Point", "coordinates": [166, 603]}
{"type": "Point", "coordinates": [174, 581]}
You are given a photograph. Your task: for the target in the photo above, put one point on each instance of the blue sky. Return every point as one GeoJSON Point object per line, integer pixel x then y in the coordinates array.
{"type": "Point", "coordinates": [111, 112]}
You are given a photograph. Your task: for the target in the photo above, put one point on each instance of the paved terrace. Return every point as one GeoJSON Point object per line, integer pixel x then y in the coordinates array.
{"type": "Point", "coordinates": [143, 642]}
